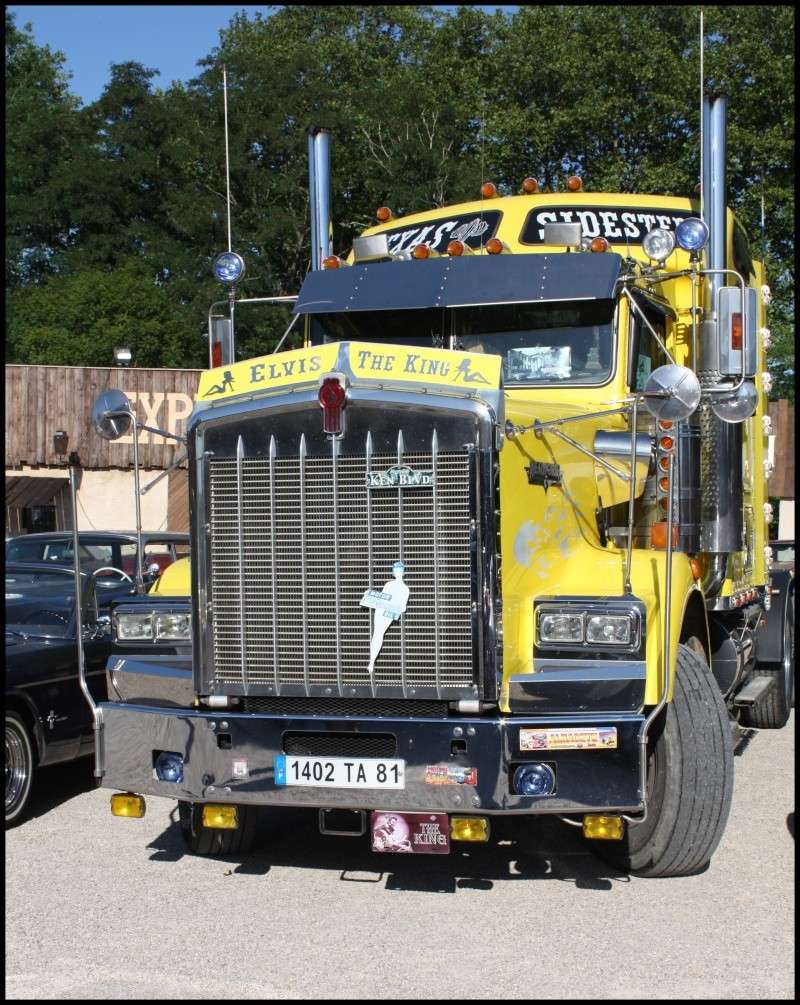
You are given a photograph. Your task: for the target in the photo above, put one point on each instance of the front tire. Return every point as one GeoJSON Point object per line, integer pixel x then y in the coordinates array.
{"type": "Point", "coordinates": [689, 781]}
{"type": "Point", "coordinates": [772, 710]}
{"type": "Point", "coordinates": [19, 768]}
{"type": "Point", "coordinates": [201, 840]}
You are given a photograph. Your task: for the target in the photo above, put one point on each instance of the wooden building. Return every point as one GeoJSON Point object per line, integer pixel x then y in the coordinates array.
{"type": "Point", "coordinates": [41, 400]}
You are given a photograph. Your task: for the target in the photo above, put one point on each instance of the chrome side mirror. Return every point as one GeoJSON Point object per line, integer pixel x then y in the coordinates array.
{"type": "Point", "coordinates": [672, 392]}
{"type": "Point", "coordinates": [112, 414]}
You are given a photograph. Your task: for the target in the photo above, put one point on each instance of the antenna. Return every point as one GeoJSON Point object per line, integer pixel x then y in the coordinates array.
{"type": "Point", "coordinates": [702, 115]}
{"type": "Point", "coordinates": [227, 154]}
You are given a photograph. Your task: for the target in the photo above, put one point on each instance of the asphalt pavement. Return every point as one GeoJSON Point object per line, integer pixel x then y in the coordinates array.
{"type": "Point", "coordinates": [102, 908]}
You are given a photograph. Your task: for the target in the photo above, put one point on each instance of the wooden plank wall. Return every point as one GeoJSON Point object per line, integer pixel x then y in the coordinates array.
{"type": "Point", "coordinates": [42, 399]}
{"type": "Point", "coordinates": [178, 500]}
{"type": "Point", "coordinates": [781, 482]}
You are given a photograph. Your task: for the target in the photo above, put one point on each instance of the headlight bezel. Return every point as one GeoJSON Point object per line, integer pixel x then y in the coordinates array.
{"type": "Point", "coordinates": [154, 617]}
{"type": "Point", "coordinates": [586, 608]}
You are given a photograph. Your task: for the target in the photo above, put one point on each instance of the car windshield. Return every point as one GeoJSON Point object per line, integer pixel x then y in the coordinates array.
{"type": "Point", "coordinates": [540, 343]}
{"type": "Point", "coordinates": [40, 603]}
{"type": "Point", "coordinates": [95, 554]}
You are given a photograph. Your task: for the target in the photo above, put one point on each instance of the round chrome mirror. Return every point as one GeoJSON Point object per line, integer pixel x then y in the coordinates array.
{"type": "Point", "coordinates": [672, 392]}
{"type": "Point", "coordinates": [735, 407]}
{"type": "Point", "coordinates": [112, 414]}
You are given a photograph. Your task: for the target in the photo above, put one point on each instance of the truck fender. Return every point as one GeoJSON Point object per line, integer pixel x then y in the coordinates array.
{"type": "Point", "coordinates": [769, 638]}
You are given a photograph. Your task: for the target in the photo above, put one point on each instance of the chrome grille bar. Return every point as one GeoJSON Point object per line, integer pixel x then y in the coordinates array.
{"type": "Point", "coordinates": [370, 566]}
{"type": "Point", "coordinates": [435, 478]}
{"type": "Point", "coordinates": [400, 451]}
{"type": "Point", "coordinates": [337, 577]}
{"type": "Point", "coordinates": [242, 623]}
{"type": "Point", "coordinates": [272, 545]}
{"type": "Point", "coordinates": [303, 551]}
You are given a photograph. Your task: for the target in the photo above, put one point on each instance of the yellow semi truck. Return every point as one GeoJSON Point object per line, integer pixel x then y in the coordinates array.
{"type": "Point", "coordinates": [493, 541]}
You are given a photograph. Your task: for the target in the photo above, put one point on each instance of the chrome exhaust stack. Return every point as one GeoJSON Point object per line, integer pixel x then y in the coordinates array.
{"type": "Point", "coordinates": [319, 176]}
{"type": "Point", "coordinates": [721, 442]}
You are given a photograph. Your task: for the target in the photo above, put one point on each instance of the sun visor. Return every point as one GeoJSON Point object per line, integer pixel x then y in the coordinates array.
{"type": "Point", "coordinates": [459, 282]}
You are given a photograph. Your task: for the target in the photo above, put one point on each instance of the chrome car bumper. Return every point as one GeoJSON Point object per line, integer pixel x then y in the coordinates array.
{"type": "Point", "coordinates": [230, 757]}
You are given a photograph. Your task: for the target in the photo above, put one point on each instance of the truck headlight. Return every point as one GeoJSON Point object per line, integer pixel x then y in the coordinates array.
{"type": "Point", "coordinates": [609, 629]}
{"type": "Point", "coordinates": [555, 627]}
{"type": "Point", "coordinates": [586, 625]}
{"type": "Point", "coordinates": [133, 627]}
{"type": "Point", "coordinates": [173, 627]}
{"type": "Point", "coordinates": [152, 626]}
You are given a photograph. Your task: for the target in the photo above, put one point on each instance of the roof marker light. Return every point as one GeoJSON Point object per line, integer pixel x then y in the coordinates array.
{"type": "Point", "coordinates": [530, 185]}
{"type": "Point", "coordinates": [494, 246]}
{"type": "Point", "coordinates": [599, 244]}
{"type": "Point", "coordinates": [383, 214]}
{"type": "Point", "coordinates": [489, 190]}
{"type": "Point", "coordinates": [421, 251]}
{"type": "Point", "coordinates": [574, 183]}
{"type": "Point", "coordinates": [457, 248]}
{"type": "Point", "coordinates": [332, 262]}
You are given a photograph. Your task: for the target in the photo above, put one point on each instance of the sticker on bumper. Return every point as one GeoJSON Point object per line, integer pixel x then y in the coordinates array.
{"type": "Point", "coordinates": [450, 774]}
{"type": "Point", "coordinates": [602, 738]}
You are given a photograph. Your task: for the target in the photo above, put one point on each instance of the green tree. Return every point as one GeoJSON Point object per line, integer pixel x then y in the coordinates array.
{"type": "Point", "coordinates": [43, 130]}
{"type": "Point", "coordinates": [78, 319]}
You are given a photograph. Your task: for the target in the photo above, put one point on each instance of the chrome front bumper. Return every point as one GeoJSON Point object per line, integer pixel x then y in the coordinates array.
{"type": "Point", "coordinates": [230, 757]}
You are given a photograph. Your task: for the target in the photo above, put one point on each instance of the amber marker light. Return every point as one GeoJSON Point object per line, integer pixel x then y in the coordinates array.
{"type": "Point", "coordinates": [384, 214]}
{"type": "Point", "coordinates": [530, 185]}
{"type": "Point", "coordinates": [469, 828]}
{"type": "Point", "coordinates": [223, 818]}
{"type": "Point", "coordinates": [663, 463]}
{"type": "Point", "coordinates": [127, 804]}
{"type": "Point", "coordinates": [489, 190]}
{"type": "Point", "coordinates": [574, 183]}
{"type": "Point", "coordinates": [598, 244]}
{"type": "Point", "coordinates": [694, 565]}
{"type": "Point", "coordinates": [421, 251]}
{"type": "Point", "coordinates": [658, 534]}
{"type": "Point", "coordinates": [666, 443]}
{"type": "Point", "coordinates": [331, 262]}
{"type": "Point", "coordinates": [455, 248]}
{"type": "Point", "coordinates": [663, 484]}
{"type": "Point", "coordinates": [493, 246]}
{"type": "Point", "coordinates": [665, 424]}
{"type": "Point", "coordinates": [603, 828]}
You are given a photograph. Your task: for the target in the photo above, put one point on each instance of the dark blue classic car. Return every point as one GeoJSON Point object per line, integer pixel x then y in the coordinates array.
{"type": "Point", "coordinates": [47, 716]}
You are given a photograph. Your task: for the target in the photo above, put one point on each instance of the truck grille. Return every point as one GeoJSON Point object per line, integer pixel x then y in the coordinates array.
{"type": "Point", "coordinates": [294, 541]}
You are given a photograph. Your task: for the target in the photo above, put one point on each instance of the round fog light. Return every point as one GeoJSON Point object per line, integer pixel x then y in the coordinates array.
{"type": "Point", "coordinates": [169, 767]}
{"type": "Point", "coordinates": [534, 780]}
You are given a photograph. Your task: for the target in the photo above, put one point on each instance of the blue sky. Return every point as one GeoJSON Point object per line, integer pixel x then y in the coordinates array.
{"type": "Point", "coordinates": [167, 38]}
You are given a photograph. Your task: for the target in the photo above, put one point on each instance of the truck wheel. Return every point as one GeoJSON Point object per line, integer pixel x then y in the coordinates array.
{"type": "Point", "coordinates": [689, 781]}
{"type": "Point", "coordinates": [19, 768]}
{"type": "Point", "coordinates": [773, 709]}
{"type": "Point", "coordinates": [202, 840]}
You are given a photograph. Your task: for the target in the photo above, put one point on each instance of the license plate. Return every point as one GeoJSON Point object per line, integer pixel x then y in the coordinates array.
{"type": "Point", "coordinates": [412, 833]}
{"type": "Point", "coordinates": [340, 772]}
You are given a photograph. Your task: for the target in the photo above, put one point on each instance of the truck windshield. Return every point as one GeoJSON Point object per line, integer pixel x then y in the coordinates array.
{"type": "Point", "coordinates": [570, 342]}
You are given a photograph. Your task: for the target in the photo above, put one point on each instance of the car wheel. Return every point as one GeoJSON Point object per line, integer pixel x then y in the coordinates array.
{"type": "Point", "coordinates": [689, 781]}
{"type": "Point", "coordinates": [19, 768]}
{"type": "Point", "coordinates": [201, 840]}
